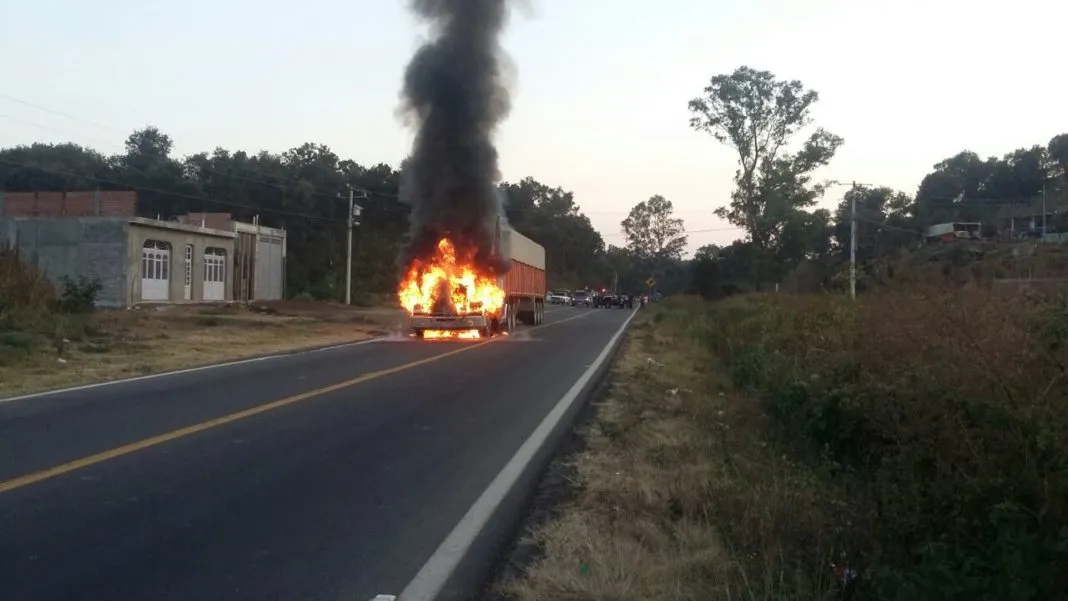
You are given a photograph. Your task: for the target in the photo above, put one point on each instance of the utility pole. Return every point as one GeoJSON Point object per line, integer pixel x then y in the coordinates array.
{"type": "Point", "coordinates": [1044, 208]}
{"type": "Point", "coordinates": [854, 187]}
{"type": "Point", "coordinates": [348, 256]}
{"type": "Point", "coordinates": [353, 220]}
{"type": "Point", "coordinates": [853, 243]}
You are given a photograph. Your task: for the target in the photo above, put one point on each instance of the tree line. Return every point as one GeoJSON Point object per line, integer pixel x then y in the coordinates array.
{"type": "Point", "coordinates": [768, 122]}
{"type": "Point", "coordinates": [304, 191]}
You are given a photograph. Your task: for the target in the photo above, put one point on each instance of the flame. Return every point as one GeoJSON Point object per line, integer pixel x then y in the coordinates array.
{"type": "Point", "coordinates": [467, 291]}
{"type": "Point", "coordinates": [454, 334]}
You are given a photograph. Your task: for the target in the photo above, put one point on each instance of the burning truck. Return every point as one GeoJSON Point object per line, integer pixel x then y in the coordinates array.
{"type": "Point", "coordinates": [465, 273]}
{"type": "Point", "coordinates": [446, 295]}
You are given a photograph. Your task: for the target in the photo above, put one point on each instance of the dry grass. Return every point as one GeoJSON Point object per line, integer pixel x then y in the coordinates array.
{"type": "Point", "coordinates": [67, 350]}
{"type": "Point", "coordinates": [680, 495]}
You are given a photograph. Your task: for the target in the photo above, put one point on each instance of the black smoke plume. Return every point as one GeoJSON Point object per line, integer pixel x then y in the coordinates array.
{"type": "Point", "coordinates": [454, 90]}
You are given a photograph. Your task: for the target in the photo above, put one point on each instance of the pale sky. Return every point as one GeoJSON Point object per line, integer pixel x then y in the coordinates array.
{"type": "Point", "coordinates": [599, 104]}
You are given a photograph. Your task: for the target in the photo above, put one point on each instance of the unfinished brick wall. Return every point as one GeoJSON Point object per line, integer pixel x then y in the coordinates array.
{"type": "Point", "coordinates": [93, 203]}
{"type": "Point", "coordinates": [215, 221]}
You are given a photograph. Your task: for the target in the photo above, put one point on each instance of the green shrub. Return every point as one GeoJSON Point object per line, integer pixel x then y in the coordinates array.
{"type": "Point", "coordinates": [78, 296]}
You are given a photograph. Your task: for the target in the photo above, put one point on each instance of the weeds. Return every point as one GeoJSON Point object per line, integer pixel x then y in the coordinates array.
{"type": "Point", "coordinates": [33, 315]}
{"type": "Point", "coordinates": [681, 496]}
{"type": "Point", "coordinates": [909, 445]}
{"type": "Point", "coordinates": [945, 414]}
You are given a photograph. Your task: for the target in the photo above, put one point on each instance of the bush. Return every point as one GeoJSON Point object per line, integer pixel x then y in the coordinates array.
{"type": "Point", "coordinates": [78, 296]}
{"type": "Point", "coordinates": [946, 412]}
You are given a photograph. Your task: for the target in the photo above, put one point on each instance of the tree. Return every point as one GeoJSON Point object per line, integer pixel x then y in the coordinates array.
{"type": "Point", "coordinates": [574, 249]}
{"type": "Point", "coordinates": [881, 221]}
{"type": "Point", "coordinates": [716, 272]}
{"type": "Point", "coordinates": [754, 113]}
{"type": "Point", "coordinates": [966, 187]}
{"type": "Point", "coordinates": [1057, 151]}
{"type": "Point", "coordinates": [298, 190]}
{"type": "Point", "coordinates": [758, 115]}
{"type": "Point", "coordinates": [653, 232]}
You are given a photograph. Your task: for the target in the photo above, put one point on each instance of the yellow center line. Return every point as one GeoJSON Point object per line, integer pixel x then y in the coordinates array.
{"type": "Point", "coordinates": [77, 464]}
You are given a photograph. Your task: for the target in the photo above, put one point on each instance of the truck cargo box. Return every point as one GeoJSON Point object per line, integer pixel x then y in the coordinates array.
{"type": "Point", "coordinates": [526, 273]}
{"type": "Point", "coordinates": [517, 247]}
{"type": "Point", "coordinates": [524, 280]}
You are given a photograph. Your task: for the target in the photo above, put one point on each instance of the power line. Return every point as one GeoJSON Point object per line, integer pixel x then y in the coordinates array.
{"type": "Point", "coordinates": [55, 112]}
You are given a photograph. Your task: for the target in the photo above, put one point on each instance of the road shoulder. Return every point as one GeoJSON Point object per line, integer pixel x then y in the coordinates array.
{"type": "Point", "coordinates": [671, 491]}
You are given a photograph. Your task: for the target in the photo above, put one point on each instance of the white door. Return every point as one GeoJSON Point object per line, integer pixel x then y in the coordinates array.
{"type": "Point", "coordinates": [188, 290]}
{"type": "Point", "coordinates": [156, 271]}
{"type": "Point", "coordinates": [214, 274]}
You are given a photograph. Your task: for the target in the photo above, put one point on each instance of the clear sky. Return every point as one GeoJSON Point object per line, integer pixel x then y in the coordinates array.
{"type": "Point", "coordinates": [600, 93]}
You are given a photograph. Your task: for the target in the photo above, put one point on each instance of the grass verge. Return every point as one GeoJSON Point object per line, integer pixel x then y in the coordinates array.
{"type": "Point", "coordinates": [905, 446]}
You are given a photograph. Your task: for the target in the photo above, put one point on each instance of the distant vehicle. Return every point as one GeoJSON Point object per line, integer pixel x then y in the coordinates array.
{"type": "Point", "coordinates": [559, 297]}
{"type": "Point", "coordinates": [581, 298]}
{"type": "Point", "coordinates": [604, 301]}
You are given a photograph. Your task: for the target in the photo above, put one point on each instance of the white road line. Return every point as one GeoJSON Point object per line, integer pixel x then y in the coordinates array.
{"type": "Point", "coordinates": [185, 371]}
{"type": "Point", "coordinates": [428, 583]}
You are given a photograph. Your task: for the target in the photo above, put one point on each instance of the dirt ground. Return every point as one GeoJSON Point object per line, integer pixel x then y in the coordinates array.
{"type": "Point", "coordinates": [109, 345]}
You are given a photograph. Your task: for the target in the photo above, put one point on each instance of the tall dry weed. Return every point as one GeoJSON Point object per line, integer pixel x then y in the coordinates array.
{"type": "Point", "coordinates": [23, 289]}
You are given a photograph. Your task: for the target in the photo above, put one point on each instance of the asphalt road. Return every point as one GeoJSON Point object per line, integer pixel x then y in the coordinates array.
{"type": "Point", "coordinates": [346, 470]}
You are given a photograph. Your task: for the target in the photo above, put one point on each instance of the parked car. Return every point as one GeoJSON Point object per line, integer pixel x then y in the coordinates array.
{"type": "Point", "coordinates": [581, 298]}
{"type": "Point", "coordinates": [558, 297]}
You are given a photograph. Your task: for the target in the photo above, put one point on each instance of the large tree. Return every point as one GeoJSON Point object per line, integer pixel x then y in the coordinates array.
{"type": "Point", "coordinates": [653, 231]}
{"type": "Point", "coordinates": [656, 240]}
{"type": "Point", "coordinates": [759, 116]}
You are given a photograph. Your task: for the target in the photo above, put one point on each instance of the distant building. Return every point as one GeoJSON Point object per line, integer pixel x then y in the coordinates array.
{"type": "Point", "coordinates": [1030, 216]}
{"type": "Point", "coordinates": [196, 258]}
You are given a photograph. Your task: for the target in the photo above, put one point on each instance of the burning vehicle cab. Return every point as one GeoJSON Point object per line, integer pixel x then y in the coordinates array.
{"type": "Point", "coordinates": [446, 296]}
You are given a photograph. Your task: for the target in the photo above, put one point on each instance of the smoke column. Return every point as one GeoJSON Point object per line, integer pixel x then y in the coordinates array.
{"type": "Point", "coordinates": [454, 91]}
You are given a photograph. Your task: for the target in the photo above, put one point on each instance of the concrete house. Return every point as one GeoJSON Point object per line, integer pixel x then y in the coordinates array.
{"type": "Point", "coordinates": [138, 260]}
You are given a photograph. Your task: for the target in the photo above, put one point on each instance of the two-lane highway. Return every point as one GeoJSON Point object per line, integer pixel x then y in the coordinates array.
{"type": "Point", "coordinates": [333, 474]}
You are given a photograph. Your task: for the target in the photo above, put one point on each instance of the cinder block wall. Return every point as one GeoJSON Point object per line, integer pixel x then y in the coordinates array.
{"type": "Point", "coordinates": [94, 247]}
{"type": "Point", "coordinates": [79, 233]}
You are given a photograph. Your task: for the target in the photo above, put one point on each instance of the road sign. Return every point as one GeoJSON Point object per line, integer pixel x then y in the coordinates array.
{"type": "Point", "coordinates": [650, 282]}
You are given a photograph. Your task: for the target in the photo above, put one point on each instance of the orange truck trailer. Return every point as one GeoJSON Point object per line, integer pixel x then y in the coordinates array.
{"type": "Point", "coordinates": [524, 292]}
{"type": "Point", "coordinates": [524, 284]}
